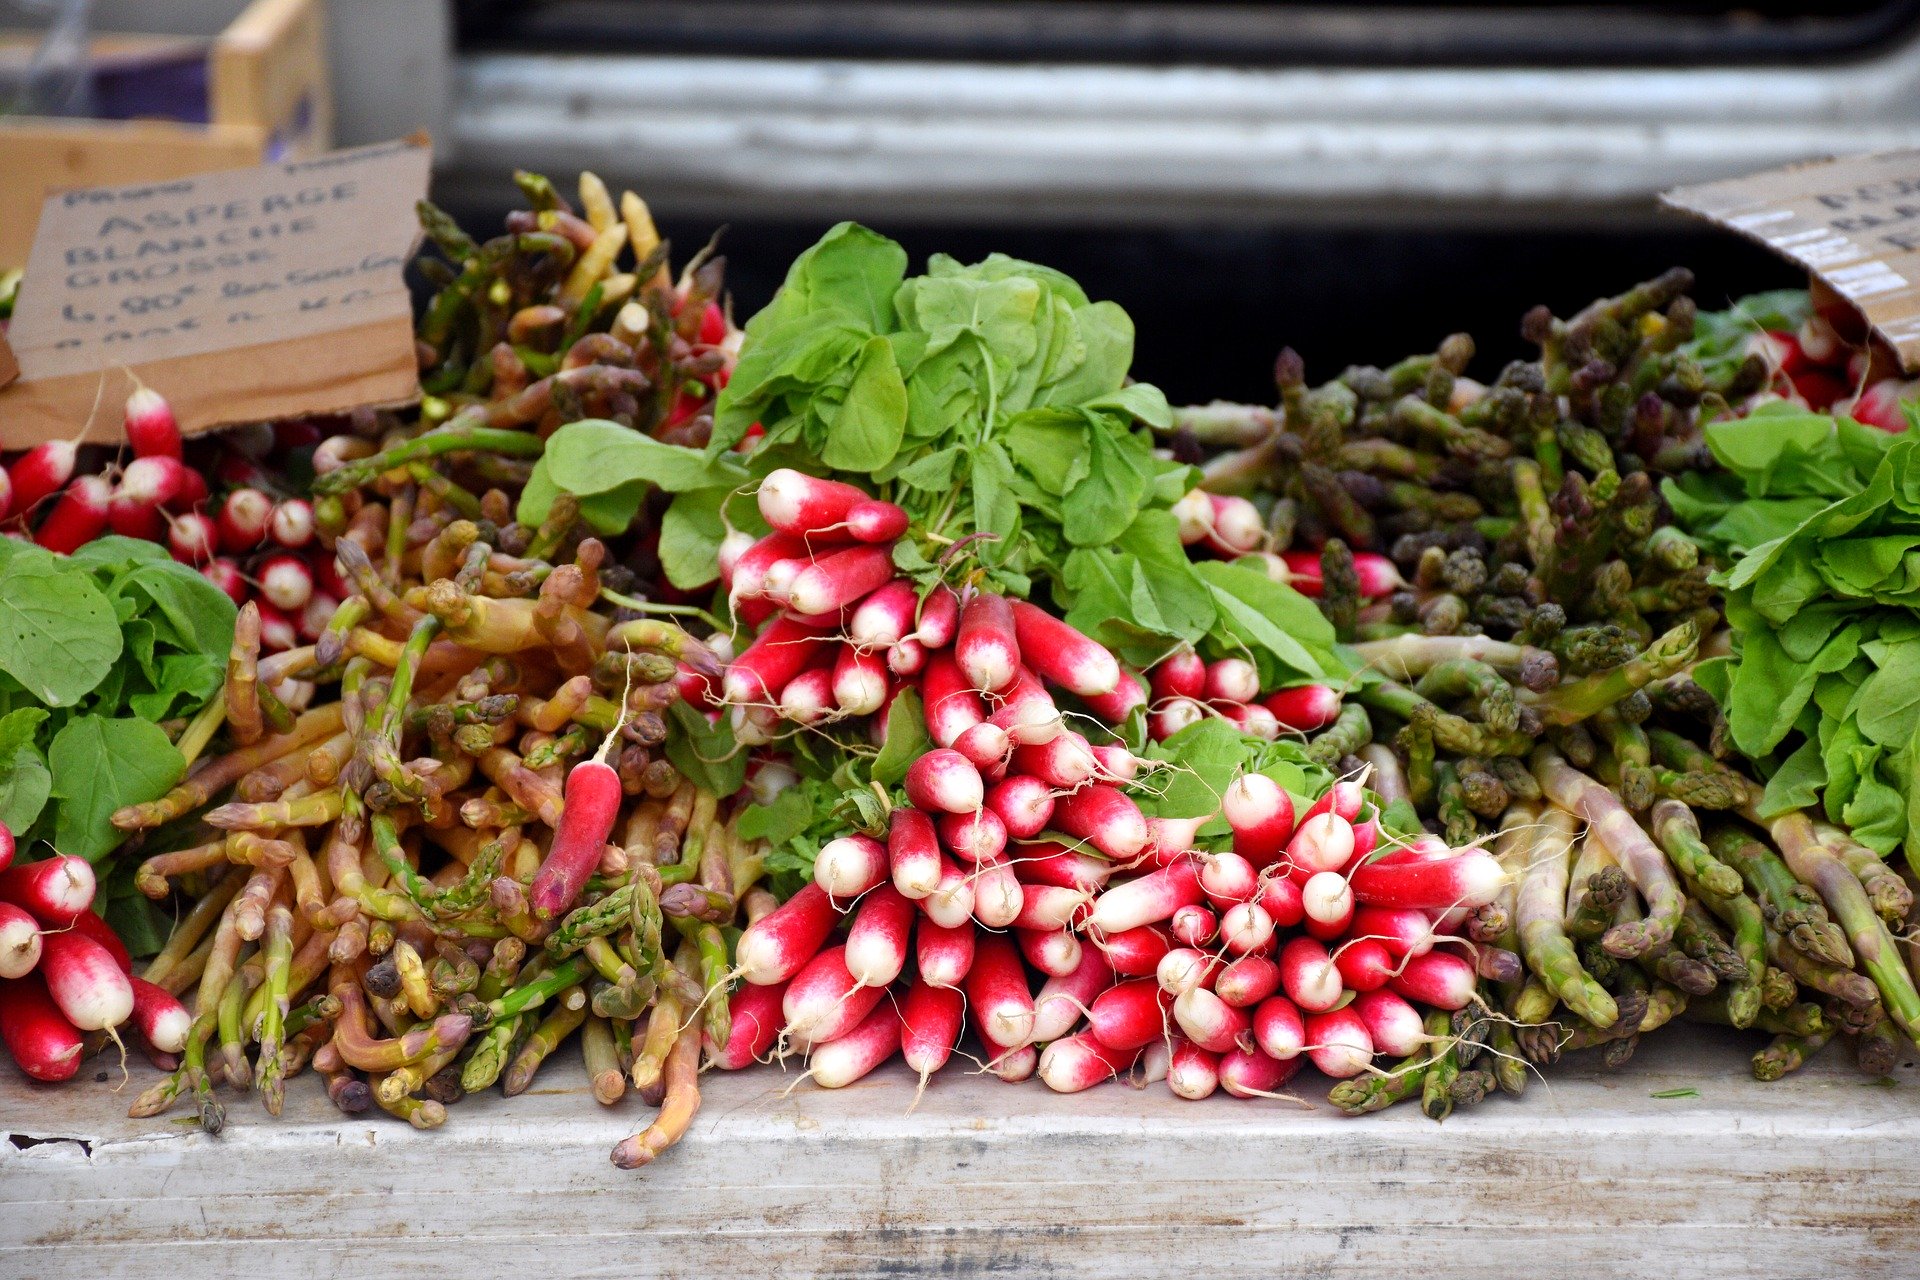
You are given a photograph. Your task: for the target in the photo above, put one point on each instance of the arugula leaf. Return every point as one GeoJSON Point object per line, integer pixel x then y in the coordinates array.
{"type": "Point", "coordinates": [906, 741]}
{"type": "Point", "coordinates": [705, 753]}
{"type": "Point", "coordinates": [59, 635]}
{"type": "Point", "coordinates": [98, 766]}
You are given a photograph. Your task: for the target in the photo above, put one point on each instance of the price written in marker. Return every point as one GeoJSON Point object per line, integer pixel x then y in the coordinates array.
{"type": "Point", "coordinates": [241, 296]}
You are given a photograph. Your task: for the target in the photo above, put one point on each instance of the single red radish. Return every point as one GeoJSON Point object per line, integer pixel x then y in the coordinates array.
{"type": "Point", "coordinates": [243, 521]}
{"type": "Point", "coordinates": [1182, 674]}
{"type": "Point", "coordinates": [1232, 680]}
{"type": "Point", "coordinates": [1237, 527]}
{"type": "Point", "coordinates": [1403, 931]}
{"type": "Point", "coordinates": [976, 837]}
{"type": "Point", "coordinates": [986, 646]}
{"type": "Point", "coordinates": [1114, 708]}
{"type": "Point", "coordinates": [1027, 711]}
{"type": "Point", "coordinates": [1051, 906]}
{"type": "Point", "coordinates": [753, 1028]}
{"type": "Point", "coordinates": [939, 617]}
{"type": "Point", "coordinates": [1047, 863]}
{"type": "Point", "coordinates": [1323, 842]}
{"type": "Point", "coordinates": [1328, 904]}
{"type": "Point", "coordinates": [1365, 964]}
{"type": "Point", "coordinates": [286, 582]}
{"type": "Point", "coordinates": [1345, 798]}
{"type": "Point", "coordinates": [732, 547]}
{"type": "Point", "coordinates": [1183, 969]}
{"type": "Point", "coordinates": [1171, 717]}
{"type": "Point", "coordinates": [837, 1063]}
{"type": "Point", "coordinates": [19, 941]}
{"type": "Point", "coordinates": [997, 992]}
{"type": "Point", "coordinates": [837, 580]}
{"type": "Point", "coordinates": [944, 781]}
{"type": "Point", "coordinates": [1259, 722]}
{"type": "Point", "coordinates": [1014, 1066]}
{"type": "Point", "coordinates": [1194, 512]}
{"type": "Point", "coordinates": [885, 617]}
{"type": "Point", "coordinates": [54, 891]}
{"type": "Point", "coordinates": [1105, 817]}
{"type": "Point", "coordinates": [943, 954]}
{"type": "Point", "coordinates": [1211, 1022]}
{"type": "Point", "coordinates": [930, 1020]}
{"type": "Point", "coordinates": [1193, 1073]}
{"type": "Point", "coordinates": [1116, 763]}
{"type": "Point", "coordinates": [278, 632]}
{"type": "Point", "coordinates": [859, 681]}
{"type": "Point", "coordinates": [1305, 708]}
{"type": "Point", "coordinates": [291, 524]}
{"type": "Point", "coordinates": [1130, 1015]}
{"type": "Point", "coordinates": [985, 745]}
{"type": "Point", "coordinates": [1280, 897]}
{"type": "Point", "coordinates": [1439, 978]}
{"type": "Point", "coordinates": [1279, 1030]}
{"type": "Point", "coordinates": [8, 846]}
{"type": "Point", "coordinates": [950, 905]}
{"type": "Point", "coordinates": [1171, 839]}
{"type": "Point", "coordinates": [1060, 1002]}
{"type": "Point", "coordinates": [1023, 803]}
{"type": "Point", "coordinates": [41, 472]}
{"type": "Point", "coordinates": [1392, 1024]}
{"type": "Point", "coordinates": [750, 570]}
{"type": "Point", "coordinates": [1251, 1074]}
{"type": "Point", "coordinates": [1194, 926]}
{"type": "Point", "coordinates": [1147, 900]}
{"type": "Point", "coordinates": [1136, 952]}
{"type": "Point", "coordinates": [1246, 929]}
{"type": "Point", "coordinates": [778, 945]}
{"type": "Point", "coordinates": [825, 1001]}
{"type": "Point", "coordinates": [1059, 653]}
{"type": "Point", "coordinates": [191, 538]}
{"type": "Point", "coordinates": [913, 853]}
{"type": "Point", "coordinates": [779, 653]}
{"type": "Point", "coordinates": [150, 425]}
{"type": "Point", "coordinates": [85, 980]}
{"type": "Point", "coordinates": [159, 1017]}
{"type": "Point", "coordinates": [1062, 762]}
{"type": "Point", "coordinates": [1877, 406]}
{"type": "Point", "coordinates": [850, 865]}
{"type": "Point", "coordinates": [998, 895]}
{"type": "Point", "coordinates": [876, 521]}
{"type": "Point", "coordinates": [1080, 1062]}
{"type": "Point", "coordinates": [1309, 976]}
{"type": "Point", "coordinates": [1339, 1044]}
{"type": "Point", "coordinates": [1247, 981]}
{"type": "Point", "coordinates": [1054, 952]}
{"type": "Point", "coordinates": [43, 1043]}
{"type": "Point", "coordinates": [793, 502]}
{"type": "Point", "coordinates": [135, 509]}
{"type": "Point", "coordinates": [877, 942]}
{"type": "Point", "coordinates": [1470, 880]}
{"type": "Point", "coordinates": [952, 705]}
{"type": "Point", "coordinates": [1261, 815]}
{"type": "Point", "coordinates": [808, 697]}
{"type": "Point", "coordinates": [593, 799]}
{"type": "Point", "coordinates": [1227, 879]}
{"type": "Point", "coordinates": [78, 517]}
{"type": "Point", "coordinates": [94, 929]}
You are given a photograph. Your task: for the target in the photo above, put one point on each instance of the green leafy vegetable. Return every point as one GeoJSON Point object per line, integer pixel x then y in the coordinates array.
{"type": "Point", "coordinates": [98, 766]}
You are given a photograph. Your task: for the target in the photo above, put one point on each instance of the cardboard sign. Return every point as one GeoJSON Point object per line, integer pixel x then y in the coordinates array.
{"type": "Point", "coordinates": [1853, 221]}
{"type": "Point", "coordinates": [242, 296]}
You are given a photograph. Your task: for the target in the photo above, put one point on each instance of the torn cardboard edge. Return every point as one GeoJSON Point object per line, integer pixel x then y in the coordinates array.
{"type": "Point", "coordinates": [246, 295]}
{"type": "Point", "coordinates": [1853, 221]}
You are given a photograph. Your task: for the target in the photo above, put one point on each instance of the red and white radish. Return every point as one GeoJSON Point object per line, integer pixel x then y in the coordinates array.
{"type": "Point", "coordinates": [159, 1017]}
{"type": "Point", "coordinates": [1309, 976]}
{"type": "Point", "coordinates": [778, 945]}
{"type": "Point", "coordinates": [943, 954]}
{"type": "Point", "coordinates": [78, 517]}
{"type": "Point", "coordinates": [1135, 952]}
{"type": "Point", "coordinates": [54, 891]}
{"type": "Point", "coordinates": [85, 980]}
{"type": "Point", "coordinates": [1059, 653]}
{"type": "Point", "coordinates": [1392, 1024]}
{"type": "Point", "coordinates": [1251, 1074]}
{"type": "Point", "coordinates": [795, 503]}
{"type": "Point", "coordinates": [1338, 1043]}
{"type": "Point", "coordinates": [1054, 952]}
{"type": "Point", "coordinates": [1305, 708]}
{"type": "Point", "coordinates": [1023, 803]}
{"type": "Point", "coordinates": [1194, 926]}
{"type": "Point", "coordinates": [1247, 981]}
{"type": "Point", "coordinates": [930, 1020]}
{"type": "Point", "coordinates": [838, 1062]}
{"type": "Point", "coordinates": [19, 941]}
{"type": "Point", "coordinates": [1130, 1015]}
{"type": "Point", "coordinates": [1193, 1073]}
{"type": "Point", "coordinates": [825, 1000]}
{"type": "Point", "coordinates": [913, 853]}
{"type": "Point", "coordinates": [997, 992]}
{"type": "Point", "coordinates": [1279, 1030]}
{"type": "Point", "coordinates": [1080, 1062]}
{"type": "Point", "coordinates": [42, 1042]}
{"type": "Point", "coordinates": [986, 646]}
{"type": "Point", "coordinates": [1261, 814]}
{"type": "Point", "coordinates": [1439, 978]}
{"type": "Point", "coordinates": [1148, 900]}
{"type": "Point", "coordinates": [944, 781]}
{"type": "Point", "coordinates": [1060, 1001]}
{"type": "Point", "coordinates": [754, 1026]}
{"type": "Point", "coordinates": [877, 942]}
{"type": "Point", "coordinates": [850, 865]}
{"type": "Point", "coordinates": [1105, 817]}
{"type": "Point", "coordinates": [1470, 880]}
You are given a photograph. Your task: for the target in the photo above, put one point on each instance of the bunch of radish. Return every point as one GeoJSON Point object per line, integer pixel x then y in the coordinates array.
{"type": "Point", "coordinates": [47, 496]}
{"type": "Point", "coordinates": [64, 973]}
{"type": "Point", "coordinates": [1184, 689]}
{"type": "Point", "coordinates": [1229, 527]}
{"type": "Point", "coordinates": [1831, 364]}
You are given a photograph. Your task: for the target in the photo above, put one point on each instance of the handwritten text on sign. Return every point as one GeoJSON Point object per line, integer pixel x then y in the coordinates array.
{"type": "Point", "coordinates": [129, 275]}
{"type": "Point", "coordinates": [1854, 222]}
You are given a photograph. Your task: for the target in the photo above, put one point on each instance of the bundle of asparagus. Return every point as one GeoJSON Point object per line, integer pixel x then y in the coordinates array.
{"type": "Point", "coordinates": [1532, 671]}
{"type": "Point", "coordinates": [412, 888]}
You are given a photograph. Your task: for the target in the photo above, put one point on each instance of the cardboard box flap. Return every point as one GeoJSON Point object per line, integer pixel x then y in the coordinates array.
{"type": "Point", "coordinates": [1854, 221]}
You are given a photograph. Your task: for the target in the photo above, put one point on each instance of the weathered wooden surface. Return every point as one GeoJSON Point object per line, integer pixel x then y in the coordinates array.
{"type": "Point", "coordinates": [1817, 1175]}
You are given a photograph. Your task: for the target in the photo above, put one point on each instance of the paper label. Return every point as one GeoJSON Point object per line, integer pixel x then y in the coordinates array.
{"type": "Point", "coordinates": [240, 296]}
{"type": "Point", "coordinates": [1852, 221]}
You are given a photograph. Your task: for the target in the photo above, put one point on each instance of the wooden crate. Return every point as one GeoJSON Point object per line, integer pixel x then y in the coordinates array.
{"type": "Point", "coordinates": [269, 99]}
{"type": "Point", "coordinates": [1592, 1173]}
